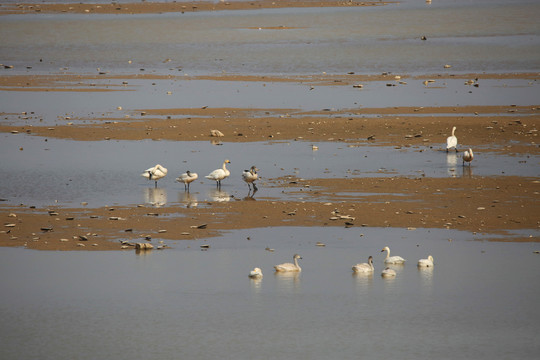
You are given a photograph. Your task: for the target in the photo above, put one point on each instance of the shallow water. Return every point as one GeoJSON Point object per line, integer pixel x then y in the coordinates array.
{"type": "Point", "coordinates": [66, 173]}
{"type": "Point", "coordinates": [480, 298]}
{"type": "Point", "coordinates": [472, 36]}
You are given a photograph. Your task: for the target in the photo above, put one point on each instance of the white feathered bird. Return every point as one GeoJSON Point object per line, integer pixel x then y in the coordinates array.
{"type": "Point", "coordinates": [392, 259]}
{"type": "Point", "coordinates": [451, 141]}
{"type": "Point", "coordinates": [155, 173]}
{"type": "Point", "coordinates": [364, 267]}
{"type": "Point", "coordinates": [468, 156]}
{"type": "Point", "coordinates": [289, 266]}
{"type": "Point", "coordinates": [426, 262]}
{"type": "Point", "coordinates": [250, 176]}
{"type": "Point", "coordinates": [187, 178]}
{"type": "Point", "coordinates": [219, 174]}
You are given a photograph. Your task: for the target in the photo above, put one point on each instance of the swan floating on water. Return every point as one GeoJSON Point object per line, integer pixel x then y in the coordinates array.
{"type": "Point", "coordinates": [187, 178]}
{"type": "Point", "coordinates": [155, 173]}
{"type": "Point", "coordinates": [388, 272]}
{"type": "Point", "coordinates": [250, 176]}
{"type": "Point", "coordinates": [256, 273]}
{"type": "Point", "coordinates": [392, 259]}
{"type": "Point", "coordinates": [426, 262]}
{"type": "Point", "coordinates": [288, 266]}
{"type": "Point", "coordinates": [451, 141]}
{"type": "Point", "coordinates": [219, 174]}
{"type": "Point", "coordinates": [468, 156]}
{"type": "Point", "coordinates": [364, 267]}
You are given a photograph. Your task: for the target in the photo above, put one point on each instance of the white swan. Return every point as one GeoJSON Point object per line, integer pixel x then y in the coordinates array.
{"type": "Point", "coordinates": [250, 176]}
{"type": "Point", "coordinates": [256, 273]}
{"type": "Point", "coordinates": [468, 156]}
{"type": "Point", "coordinates": [187, 178]}
{"type": "Point", "coordinates": [288, 266]}
{"type": "Point", "coordinates": [426, 262]}
{"type": "Point", "coordinates": [364, 267]}
{"type": "Point", "coordinates": [155, 173]}
{"type": "Point", "coordinates": [451, 141]}
{"type": "Point", "coordinates": [219, 174]}
{"type": "Point", "coordinates": [388, 272]}
{"type": "Point", "coordinates": [392, 259]}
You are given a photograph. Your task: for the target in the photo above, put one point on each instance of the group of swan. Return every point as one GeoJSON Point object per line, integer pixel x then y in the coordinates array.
{"type": "Point", "coordinates": [158, 172]}
{"type": "Point", "coordinates": [451, 142]}
{"type": "Point", "coordinates": [363, 268]}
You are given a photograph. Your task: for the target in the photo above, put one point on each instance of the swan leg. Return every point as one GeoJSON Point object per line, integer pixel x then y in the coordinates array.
{"type": "Point", "coordinates": [255, 187]}
{"type": "Point", "coordinates": [155, 185]}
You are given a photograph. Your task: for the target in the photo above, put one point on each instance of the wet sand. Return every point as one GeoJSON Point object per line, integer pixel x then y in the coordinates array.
{"type": "Point", "coordinates": [487, 205]}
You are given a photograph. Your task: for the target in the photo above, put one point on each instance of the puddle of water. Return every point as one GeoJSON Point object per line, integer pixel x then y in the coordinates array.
{"type": "Point", "coordinates": [188, 303]}
{"type": "Point", "coordinates": [64, 172]}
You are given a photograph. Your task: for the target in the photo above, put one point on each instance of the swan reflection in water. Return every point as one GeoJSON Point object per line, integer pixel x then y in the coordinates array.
{"type": "Point", "coordinates": [467, 171]}
{"type": "Point", "coordinates": [155, 196]}
{"type": "Point", "coordinates": [451, 163]}
{"type": "Point", "coordinates": [287, 280]}
{"type": "Point", "coordinates": [218, 195]}
{"type": "Point", "coordinates": [188, 199]}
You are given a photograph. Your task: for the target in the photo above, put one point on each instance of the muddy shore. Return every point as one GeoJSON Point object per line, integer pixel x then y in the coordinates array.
{"type": "Point", "coordinates": [487, 205]}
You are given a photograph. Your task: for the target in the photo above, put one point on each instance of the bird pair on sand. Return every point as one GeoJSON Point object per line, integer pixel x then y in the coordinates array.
{"type": "Point", "coordinates": [451, 142]}
{"type": "Point", "coordinates": [158, 172]}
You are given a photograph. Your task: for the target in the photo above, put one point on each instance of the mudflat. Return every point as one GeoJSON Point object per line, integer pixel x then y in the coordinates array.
{"type": "Point", "coordinates": [495, 205]}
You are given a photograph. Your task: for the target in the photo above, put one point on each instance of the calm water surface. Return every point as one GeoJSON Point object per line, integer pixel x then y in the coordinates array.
{"type": "Point", "coordinates": [481, 297]}
{"type": "Point", "coordinates": [66, 173]}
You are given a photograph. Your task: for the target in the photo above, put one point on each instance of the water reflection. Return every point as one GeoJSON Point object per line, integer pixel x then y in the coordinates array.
{"type": "Point", "coordinates": [363, 280]}
{"type": "Point", "coordinates": [287, 281]}
{"type": "Point", "coordinates": [255, 284]}
{"type": "Point", "coordinates": [426, 274]}
{"type": "Point", "coordinates": [188, 199]}
{"type": "Point", "coordinates": [451, 162]}
{"type": "Point", "coordinates": [155, 196]}
{"type": "Point", "coordinates": [467, 171]}
{"type": "Point", "coordinates": [219, 195]}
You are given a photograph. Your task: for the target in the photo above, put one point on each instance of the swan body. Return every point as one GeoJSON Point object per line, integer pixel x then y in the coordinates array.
{"type": "Point", "coordinates": [219, 174]}
{"type": "Point", "coordinates": [426, 262]}
{"type": "Point", "coordinates": [392, 259]}
{"type": "Point", "coordinates": [364, 267]}
{"type": "Point", "coordinates": [288, 266]}
{"type": "Point", "coordinates": [468, 156]}
{"type": "Point", "coordinates": [187, 178]}
{"type": "Point", "coordinates": [250, 176]}
{"type": "Point", "coordinates": [256, 273]}
{"type": "Point", "coordinates": [451, 141]}
{"type": "Point", "coordinates": [155, 173]}
{"type": "Point", "coordinates": [388, 272]}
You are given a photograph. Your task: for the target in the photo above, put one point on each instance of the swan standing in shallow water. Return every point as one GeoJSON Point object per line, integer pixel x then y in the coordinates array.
{"type": "Point", "coordinates": [250, 176]}
{"type": "Point", "coordinates": [288, 266]}
{"type": "Point", "coordinates": [155, 173]}
{"type": "Point", "coordinates": [388, 272]}
{"type": "Point", "coordinates": [468, 156]}
{"type": "Point", "coordinates": [364, 267]}
{"type": "Point", "coordinates": [187, 178]}
{"type": "Point", "coordinates": [426, 262]}
{"type": "Point", "coordinates": [256, 273]}
{"type": "Point", "coordinates": [451, 141]}
{"type": "Point", "coordinates": [219, 174]}
{"type": "Point", "coordinates": [392, 259]}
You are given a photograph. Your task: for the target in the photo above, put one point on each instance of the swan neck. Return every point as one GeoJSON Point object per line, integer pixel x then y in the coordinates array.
{"type": "Point", "coordinates": [296, 262]}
